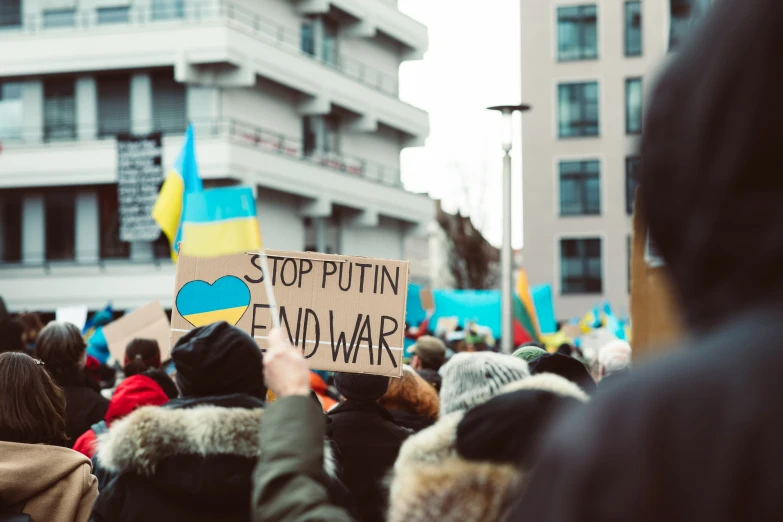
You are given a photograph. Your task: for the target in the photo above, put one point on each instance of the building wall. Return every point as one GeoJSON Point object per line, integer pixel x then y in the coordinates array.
{"type": "Point", "coordinates": [282, 226]}
{"type": "Point", "coordinates": [384, 241]}
{"type": "Point", "coordinates": [267, 105]}
{"type": "Point", "coordinates": [380, 53]}
{"type": "Point", "coordinates": [543, 150]}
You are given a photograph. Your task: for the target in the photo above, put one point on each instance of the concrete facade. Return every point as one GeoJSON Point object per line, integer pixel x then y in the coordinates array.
{"type": "Point", "coordinates": [543, 149]}
{"type": "Point", "coordinates": [247, 85]}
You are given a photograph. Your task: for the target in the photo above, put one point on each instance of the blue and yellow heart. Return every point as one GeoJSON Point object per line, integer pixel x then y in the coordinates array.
{"type": "Point", "coordinates": [225, 300]}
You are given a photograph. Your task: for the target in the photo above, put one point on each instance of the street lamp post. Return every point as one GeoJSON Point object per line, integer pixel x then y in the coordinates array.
{"type": "Point", "coordinates": [506, 262]}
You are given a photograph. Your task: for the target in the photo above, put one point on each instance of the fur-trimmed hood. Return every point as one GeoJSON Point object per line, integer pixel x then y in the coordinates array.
{"type": "Point", "coordinates": [431, 481]}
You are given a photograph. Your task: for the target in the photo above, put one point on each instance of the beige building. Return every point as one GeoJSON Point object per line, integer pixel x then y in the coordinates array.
{"type": "Point", "coordinates": [587, 66]}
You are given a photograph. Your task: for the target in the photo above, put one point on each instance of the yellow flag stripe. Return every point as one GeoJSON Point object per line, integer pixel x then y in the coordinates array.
{"type": "Point", "coordinates": [220, 238]}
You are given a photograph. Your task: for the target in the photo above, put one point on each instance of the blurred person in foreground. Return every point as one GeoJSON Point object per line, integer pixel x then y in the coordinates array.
{"type": "Point", "coordinates": [697, 435]}
{"type": "Point", "coordinates": [62, 349]}
{"type": "Point", "coordinates": [38, 477]}
{"type": "Point", "coordinates": [412, 402]}
{"type": "Point", "coordinates": [427, 357]}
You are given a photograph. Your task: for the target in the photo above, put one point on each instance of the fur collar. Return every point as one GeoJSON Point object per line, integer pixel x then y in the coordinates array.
{"type": "Point", "coordinates": [140, 441]}
{"type": "Point", "coordinates": [454, 490]}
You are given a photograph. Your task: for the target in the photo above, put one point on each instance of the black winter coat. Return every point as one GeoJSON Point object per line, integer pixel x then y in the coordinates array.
{"type": "Point", "coordinates": [369, 442]}
{"type": "Point", "coordinates": [411, 421]}
{"type": "Point", "coordinates": [84, 404]}
{"type": "Point", "coordinates": [192, 459]}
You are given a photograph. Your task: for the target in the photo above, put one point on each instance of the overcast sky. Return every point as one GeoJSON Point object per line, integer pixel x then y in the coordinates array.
{"type": "Point", "coordinates": [473, 62]}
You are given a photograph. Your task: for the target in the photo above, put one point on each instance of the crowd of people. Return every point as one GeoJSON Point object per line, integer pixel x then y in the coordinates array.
{"type": "Point", "coordinates": [244, 435]}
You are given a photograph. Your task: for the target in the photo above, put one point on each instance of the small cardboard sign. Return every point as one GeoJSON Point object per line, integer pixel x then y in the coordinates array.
{"type": "Point", "coordinates": [446, 325]}
{"type": "Point", "coordinates": [147, 322]}
{"type": "Point", "coordinates": [347, 314]}
{"type": "Point", "coordinates": [427, 301]}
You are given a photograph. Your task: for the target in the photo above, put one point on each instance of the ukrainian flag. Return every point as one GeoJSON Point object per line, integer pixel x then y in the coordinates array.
{"type": "Point", "coordinates": [183, 179]}
{"type": "Point", "coordinates": [220, 221]}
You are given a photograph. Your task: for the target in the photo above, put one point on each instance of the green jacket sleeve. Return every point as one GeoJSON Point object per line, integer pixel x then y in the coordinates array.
{"type": "Point", "coordinates": [290, 484]}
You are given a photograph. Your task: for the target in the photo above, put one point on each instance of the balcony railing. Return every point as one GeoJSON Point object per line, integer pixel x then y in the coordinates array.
{"type": "Point", "coordinates": [202, 11]}
{"type": "Point", "coordinates": [238, 132]}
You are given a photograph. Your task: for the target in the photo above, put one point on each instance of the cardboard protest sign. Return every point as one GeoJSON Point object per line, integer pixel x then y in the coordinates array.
{"type": "Point", "coordinates": [446, 325]}
{"type": "Point", "coordinates": [76, 315]}
{"type": "Point", "coordinates": [346, 313]}
{"type": "Point", "coordinates": [427, 301]}
{"type": "Point", "coordinates": [148, 322]}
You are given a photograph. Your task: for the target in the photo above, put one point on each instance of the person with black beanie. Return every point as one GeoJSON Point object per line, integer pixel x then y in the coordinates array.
{"type": "Point", "coordinates": [368, 439]}
{"type": "Point", "coordinates": [193, 458]}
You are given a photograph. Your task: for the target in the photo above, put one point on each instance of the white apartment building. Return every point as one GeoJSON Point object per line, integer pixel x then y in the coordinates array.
{"type": "Point", "coordinates": [586, 69]}
{"type": "Point", "coordinates": [298, 98]}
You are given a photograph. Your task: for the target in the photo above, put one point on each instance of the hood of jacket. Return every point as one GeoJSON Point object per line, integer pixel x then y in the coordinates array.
{"type": "Point", "coordinates": [710, 153]}
{"type": "Point", "coordinates": [198, 452]}
{"type": "Point", "coordinates": [27, 470]}
{"type": "Point", "coordinates": [431, 481]}
{"type": "Point", "coordinates": [132, 393]}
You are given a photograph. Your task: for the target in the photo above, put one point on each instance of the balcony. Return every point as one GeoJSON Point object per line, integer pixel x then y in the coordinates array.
{"type": "Point", "coordinates": [213, 42]}
{"type": "Point", "coordinates": [226, 149]}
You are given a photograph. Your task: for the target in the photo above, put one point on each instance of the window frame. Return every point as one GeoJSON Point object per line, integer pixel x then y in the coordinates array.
{"type": "Point", "coordinates": [637, 129]}
{"type": "Point", "coordinates": [582, 122]}
{"type": "Point", "coordinates": [627, 29]}
{"type": "Point", "coordinates": [579, 21]}
{"type": "Point", "coordinates": [631, 180]}
{"type": "Point", "coordinates": [585, 262]}
{"type": "Point", "coordinates": [582, 177]}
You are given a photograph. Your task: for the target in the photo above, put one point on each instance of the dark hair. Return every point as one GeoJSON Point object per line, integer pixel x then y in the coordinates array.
{"type": "Point", "coordinates": [141, 355]}
{"type": "Point", "coordinates": [164, 381]}
{"type": "Point", "coordinates": [32, 406]}
{"type": "Point", "coordinates": [12, 337]}
{"type": "Point", "coordinates": [61, 347]}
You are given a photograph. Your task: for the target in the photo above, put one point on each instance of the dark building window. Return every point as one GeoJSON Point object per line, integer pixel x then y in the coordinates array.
{"type": "Point", "coordinates": [113, 15]}
{"type": "Point", "coordinates": [684, 15]}
{"type": "Point", "coordinates": [580, 188]}
{"type": "Point", "coordinates": [113, 104]}
{"type": "Point", "coordinates": [629, 249]}
{"type": "Point", "coordinates": [580, 266]}
{"type": "Point", "coordinates": [633, 105]}
{"type": "Point", "coordinates": [60, 212]}
{"type": "Point", "coordinates": [59, 110]}
{"type": "Point", "coordinates": [108, 206]}
{"type": "Point", "coordinates": [11, 248]}
{"type": "Point", "coordinates": [307, 38]}
{"type": "Point", "coordinates": [161, 248]}
{"type": "Point", "coordinates": [633, 28]}
{"type": "Point", "coordinates": [577, 33]}
{"type": "Point", "coordinates": [577, 109]}
{"type": "Point", "coordinates": [11, 118]}
{"type": "Point", "coordinates": [329, 44]}
{"type": "Point", "coordinates": [59, 18]}
{"type": "Point", "coordinates": [10, 13]}
{"type": "Point", "coordinates": [633, 167]}
{"type": "Point", "coordinates": [168, 9]}
{"type": "Point", "coordinates": [308, 135]}
{"type": "Point", "coordinates": [168, 103]}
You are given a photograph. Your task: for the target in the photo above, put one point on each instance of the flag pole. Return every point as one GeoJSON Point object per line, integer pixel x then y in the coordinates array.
{"type": "Point", "coordinates": [270, 292]}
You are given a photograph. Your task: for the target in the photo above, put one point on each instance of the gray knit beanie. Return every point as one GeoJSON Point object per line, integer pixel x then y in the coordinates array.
{"type": "Point", "coordinates": [470, 379]}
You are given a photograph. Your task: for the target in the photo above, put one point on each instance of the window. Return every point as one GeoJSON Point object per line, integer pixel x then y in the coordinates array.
{"type": "Point", "coordinates": [577, 109]}
{"type": "Point", "coordinates": [308, 135]}
{"type": "Point", "coordinates": [580, 188]}
{"type": "Point", "coordinates": [633, 105]}
{"type": "Point", "coordinates": [113, 15]}
{"type": "Point", "coordinates": [108, 207]}
{"type": "Point", "coordinates": [321, 134]}
{"type": "Point", "coordinates": [633, 167]}
{"type": "Point", "coordinates": [331, 142]}
{"type": "Point", "coordinates": [10, 14]}
{"type": "Point", "coordinates": [684, 15]}
{"type": "Point", "coordinates": [633, 28]}
{"type": "Point", "coordinates": [577, 33]}
{"type": "Point", "coordinates": [59, 18]}
{"type": "Point", "coordinates": [11, 235]}
{"type": "Point", "coordinates": [580, 266]}
{"type": "Point", "coordinates": [60, 210]}
{"type": "Point", "coordinates": [113, 105]}
{"type": "Point", "coordinates": [628, 248]}
{"type": "Point", "coordinates": [161, 249]}
{"type": "Point", "coordinates": [329, 43]}
{"type": "Point", "coordinates": [308, 41]}
{"type": "Point", "coordinates": [59, 110]}
{"type": "Point", "coordinates": [10, 111]}
{"type": "Point", "coordinates": [168, 9]}
{"type": "Point", "coordinates": [168, 103]}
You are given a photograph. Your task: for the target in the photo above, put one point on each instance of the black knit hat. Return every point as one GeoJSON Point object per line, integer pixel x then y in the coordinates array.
{"type": "Point", "coordinates": [218, 359]}
{"type": "Point", "coordinates": [565, 366]}
{"type": "Point", "coordinates": [361, 387]}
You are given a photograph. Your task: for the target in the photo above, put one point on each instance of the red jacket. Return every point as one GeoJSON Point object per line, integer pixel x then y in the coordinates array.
{"type": "Point", "coordinates": [132, 393]}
